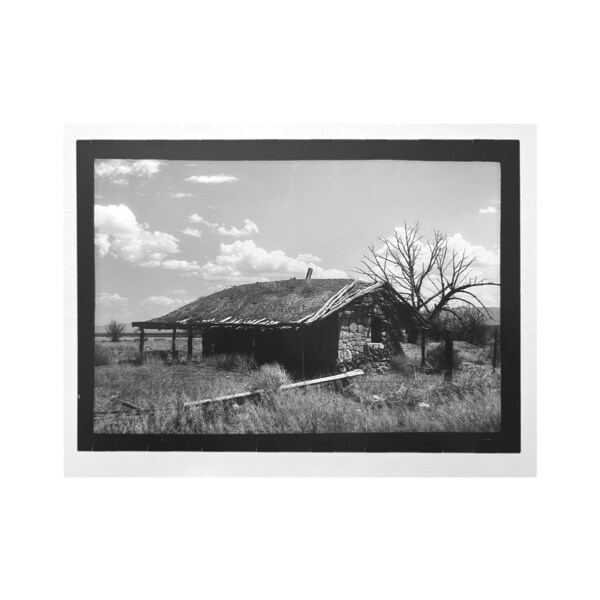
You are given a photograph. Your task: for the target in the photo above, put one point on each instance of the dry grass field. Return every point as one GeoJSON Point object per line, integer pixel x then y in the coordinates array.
{"type": "Point", "coordinates": [399, 401]}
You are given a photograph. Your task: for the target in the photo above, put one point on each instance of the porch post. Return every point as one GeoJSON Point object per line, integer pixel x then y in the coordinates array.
{"type": "Point", "coordinates": [173, 345]}
{"type": "Point", "coordinates": [190, 345]}
{"type": "Point", "coordinates": [142, 335]}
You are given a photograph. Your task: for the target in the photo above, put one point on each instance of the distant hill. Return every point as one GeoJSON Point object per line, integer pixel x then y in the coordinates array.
{"type": "Point", "coordinates": [493, 321]}
{"type": "Point", "coordinates": [495, 312]}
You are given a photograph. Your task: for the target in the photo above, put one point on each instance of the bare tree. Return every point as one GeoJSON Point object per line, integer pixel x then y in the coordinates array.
{"type": "Point", "coordinates": [115, 330]}
{"type": "Point", "coordinates": [432, 277]}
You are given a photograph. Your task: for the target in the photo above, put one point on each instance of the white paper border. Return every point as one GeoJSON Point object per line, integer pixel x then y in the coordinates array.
{"type": "Point", "coordinates": [169, 464]}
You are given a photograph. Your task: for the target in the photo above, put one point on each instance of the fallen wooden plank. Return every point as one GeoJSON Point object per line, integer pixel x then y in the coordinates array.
{"type": "Point", "coordinates": [240, 396]}
{"type": "Point", "coordinates": [126, 404]}
{"type": "Point", "coordinates": [288, 386]}
{"type": "Point", "coordinates": [309, 382]}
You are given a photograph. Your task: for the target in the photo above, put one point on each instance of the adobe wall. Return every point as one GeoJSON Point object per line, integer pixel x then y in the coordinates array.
{"type": "Point", "coordinates": [355, 348]}
{"type": "Point", "coordinates": [318, 343]}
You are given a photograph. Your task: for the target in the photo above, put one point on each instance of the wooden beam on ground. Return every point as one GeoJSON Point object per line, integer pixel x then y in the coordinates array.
{"type": "Point", "coordinates": [321, 380]}
{"type": "Point", "coordinates": [289, 386]}
{"type": "Point", "coordinates": [240, 396]}
{"type": "Point", "coordinates": [126, 404]}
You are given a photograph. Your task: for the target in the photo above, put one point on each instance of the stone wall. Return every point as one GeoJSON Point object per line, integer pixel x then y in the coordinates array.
{"type": "Point", "coordinates": [355, 348]}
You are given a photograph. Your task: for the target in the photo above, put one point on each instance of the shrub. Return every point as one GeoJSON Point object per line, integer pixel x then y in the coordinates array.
{"type": "Point", "coordinates": [115, 330]}
{"type": "Point", "coordinates": [270, 378]}
{"type": "Point", "coordinates": [399, 363]}
{"type": "Point", "coordinates": [435, 356]}
{"type": "Point", "coordinates": [468, 324]}
{"type": "Point", "coordinates": [472, 326]}
{"type": "Point", "coordinates": [102, 355]}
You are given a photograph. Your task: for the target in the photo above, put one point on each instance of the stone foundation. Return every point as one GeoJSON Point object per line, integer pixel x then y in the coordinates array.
{"type": "Point", "coordinates": [355, 348]}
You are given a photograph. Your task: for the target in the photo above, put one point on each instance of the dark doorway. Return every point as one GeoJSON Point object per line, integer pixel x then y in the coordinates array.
{"type": "Point", "coordinates": [376, 330]}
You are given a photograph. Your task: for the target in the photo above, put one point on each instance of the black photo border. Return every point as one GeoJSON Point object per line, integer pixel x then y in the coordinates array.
{"type": "Point", "coordinates": [505, 152]}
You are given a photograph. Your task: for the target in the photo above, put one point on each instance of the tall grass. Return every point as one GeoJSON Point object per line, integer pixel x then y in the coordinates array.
{"type": "Point", "coordinates": [435, 356]}
{"type": "Point", "coordinates": [391, 402]}
{"type": "Point", "coordinates": [102, 355]}
{"type": "Point", "coordinates": [231, 362]}
{"type": "Point", "coordinates": [109, 353]}
{"type": "Point", "coordinates": [269, 378]}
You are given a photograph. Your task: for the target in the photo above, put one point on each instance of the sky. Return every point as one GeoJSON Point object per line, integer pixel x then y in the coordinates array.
{"type": "Point", "coordinates": [168, 232]}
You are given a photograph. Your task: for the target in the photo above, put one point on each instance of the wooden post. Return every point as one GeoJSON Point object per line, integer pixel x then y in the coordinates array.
{"type": "Point", "coordinates": [173, 345]}
{"type": "Point", "coordinates": [422, 349]}
{"type": "Point", "coordinates": [495, 349]}
{"type": "Point", "coordinates": [303, 338]}
{"type": "Point", "coordinates": [141, 345]}
{"type": "Point", "coordinates": [448, 348]}
{"type": "Point", "coordinates": [190, 348]}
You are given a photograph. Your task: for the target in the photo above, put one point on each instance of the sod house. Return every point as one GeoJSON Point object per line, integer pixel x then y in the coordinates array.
{"type": "Point", "coordinates": [311, 326]}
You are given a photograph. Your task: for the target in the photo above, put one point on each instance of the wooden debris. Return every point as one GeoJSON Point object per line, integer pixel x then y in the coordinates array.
{"type": "Point", "coordinates": [231, 397]}
{"type": "Point", "coordinates": [126, 404]}
{"type": "Point", "coordinates": [319, 381]}
{"type": "Point", "coordinates": [257, 393]}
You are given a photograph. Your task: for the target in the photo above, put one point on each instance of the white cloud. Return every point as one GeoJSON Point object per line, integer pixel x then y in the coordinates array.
{"type": "Point", "coordinates": [163, 302]}
{"type": "Point", "coordinates": [180, 265]}
{"type": "Point", "coordinates": [192, 231]}
{"type": "Point", "coordinates": [120, 171]}
{"type": "Point", "coordinates": [111, 299]}
{"type": "Point", "coordinates": [484, 258]}
{"type": "Point", "coordinates": [245, 260]}
{"type": "Point", "coordinates": [119, 234]}
{"type": "Point", "coordinates": [180, 195]}
{"type": "Point", "coordinates": [309, 258]}
{"type": "Point", "coordinates": [220, 178]}
{"type": "Point", "coordinates": [178, 292]}
{"type": "Point", "coordinates": [102, 242]}
{"type": "Point", "coordinates": [196, 218]}
{"type": "Point", "coordinates": [249, 228]}
{"type": "Point", "coordinates": [490, 210]}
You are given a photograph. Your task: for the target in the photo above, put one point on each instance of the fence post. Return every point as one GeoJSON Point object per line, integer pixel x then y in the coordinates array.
{"type": "Point", "coordinates": [173, 345]}
{"type": "Point", "coordinates": [495, 349]}
{"type": "Point", "coordinates": [448, 352]}
{"type": "Point", "coordinates": [422, 348]}
{"type": "Point", "coordinates": [142, 344]}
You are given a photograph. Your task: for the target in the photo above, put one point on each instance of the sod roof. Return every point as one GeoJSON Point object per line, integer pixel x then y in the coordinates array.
{"type": "Point", "coordinates": [268, 303]}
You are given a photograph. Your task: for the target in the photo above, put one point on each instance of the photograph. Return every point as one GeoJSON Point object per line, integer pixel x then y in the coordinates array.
{"type": "Point", "coordinates": [356, 296]}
